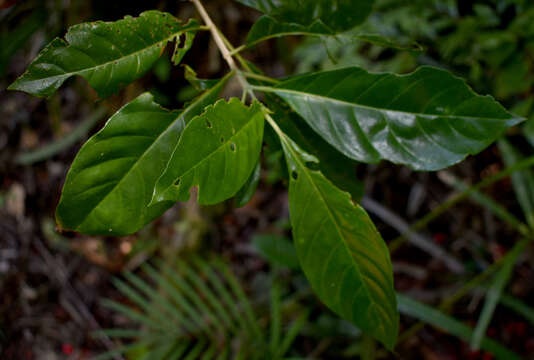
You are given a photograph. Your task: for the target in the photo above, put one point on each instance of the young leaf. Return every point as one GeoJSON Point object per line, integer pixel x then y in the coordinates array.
{"type": "Point", "coordinates": [324, 15]}
{"type": "Point", "coordinates": [110, 183]}
{"type": "Point", "coordinates": [340, 250]}
{"type": "Point", "coordinates": [107, 54]}
{"type": "Point", "coordinates": [427, 120]}
{"type": "Point", "coordinates": [217, 152]}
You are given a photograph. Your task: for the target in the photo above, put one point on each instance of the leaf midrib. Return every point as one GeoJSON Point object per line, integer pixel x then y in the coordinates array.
{"type": "Point", "coordinates": [331, 216]}
{"type": "Point", "coordinates": [142, 156]}
{"type": "Point", "coordinates": [83, 71]}
{"type": "Point", "coordinates": [192, 168]}
{"type": "Point", "coordinates": [343, 102]}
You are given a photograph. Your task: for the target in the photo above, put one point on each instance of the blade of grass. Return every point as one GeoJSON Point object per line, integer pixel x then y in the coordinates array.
{"type": "Point", "coordinates": [442, 208]}
{"type": "Point", "coordinates": [210, 320]}
{"type": "Point", "coordinates": [211, 298]}
{"type": "Point", "coordinates": [175, 295]}
{"type": "Point", "coordinates": [121, 350]}
{"type": "Point", "coordinates": [474, 283]}
{"type": "Point", "coordinates": [174, 313]}
{"type": "Point", "coordinates": [147, 308]}
{"type": "Point", "coordinates": [292, 333]}
{"type": "Point", "coordinates": [523, 181]}
{"type": "Point", "coordinates": [179, 350]}
{"type": "Point", "coordinates": [485, 201]}
{"type": "Point", "coordinates": [226, 298]}
{"type": "Point", "coordinates": [518, 306]}
{"type": "Point", "coordinates": [56, 147]}
{"type": "Point", "coordinates": [196, 350]}
{"type": "Point", "coordinates": [494, 294]}
{"type": "Point", "coordinates": [134, 315]}
{"type": "Point", "coordinates": [276, 326]}
{"type": "Point", "coordinates": [436, 318]}
{"type": "Point", "coordinates": [242, 298]}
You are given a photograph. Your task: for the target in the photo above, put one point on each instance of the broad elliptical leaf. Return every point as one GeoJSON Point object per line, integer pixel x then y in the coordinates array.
{"type": "Point", "coordinates": [340, 251]}
{"type": "Point", "coordinates": [108, 55]}
{"type": "Point", "coordinates": [110, 183]}
{"type": "Point", "coordinates": [427, 120]}
{"type": "Point", "coordinates": [217, 152]}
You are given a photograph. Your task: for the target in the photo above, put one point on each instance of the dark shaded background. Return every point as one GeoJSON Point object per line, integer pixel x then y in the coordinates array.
{"type": "Point", "coordinates": [51, 283]}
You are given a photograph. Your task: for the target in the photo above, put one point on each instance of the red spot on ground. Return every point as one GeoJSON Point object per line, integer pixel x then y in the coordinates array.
{"type": "Point", "coordinates": [440, 238]}
{"type": "Point", "coordinates": [67, 349]}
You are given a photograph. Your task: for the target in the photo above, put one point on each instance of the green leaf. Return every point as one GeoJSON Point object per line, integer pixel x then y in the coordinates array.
{"type": "Point", "coordinates": [427, 120]}
{"type": "Point", "coordinates": [335, 166]}
{"type": "Point", "coordinates": [245, 194]}
{"type": "Point", "coordinates": [268, 27]}
{"type": "Point", "coordinates": [278, 250]}
{"type": "Point", "coordinates": [523, 181]}
{"type": "Point", "coordinates": [334, 15]}
{"type": "Point", "coordinates": [108, 55]}
{"type": "Point", "coordinates": [449, 324]}
{"type": "Point", "coordinates": [217, 152]}
{"type": "Point", "coordinates": [110, 183]}
{"type": "Point", "coordinates": [340, 250]}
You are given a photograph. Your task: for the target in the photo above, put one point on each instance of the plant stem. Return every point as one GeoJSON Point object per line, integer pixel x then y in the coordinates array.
{"type": "Point", "coordinates": [368, 348]}
{"type": "Point", "coordinates": [238, 50]}
{"type": "Point", "coordinates": [259, 77]}
{"type": "Point", "coordinates": [221, 44]}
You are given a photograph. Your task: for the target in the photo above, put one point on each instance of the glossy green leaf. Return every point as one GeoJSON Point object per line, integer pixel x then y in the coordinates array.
{"type": "Point", "coordinates": [335, 166]}
{"type": "Point", "coordinates": [334, 15]}
{"type": "Point", "coordinates": [340, 250]}
{"type": "Point", "coordinates": [217, 152]}
{"type": "Point", "coordinates": [427, 120]}
{"type": "Point", "coordinates": [268, 27]}
{"type": "Point", "coordinates": [110, 183]}
{"type": "Point", "coordinates": [108, 55]}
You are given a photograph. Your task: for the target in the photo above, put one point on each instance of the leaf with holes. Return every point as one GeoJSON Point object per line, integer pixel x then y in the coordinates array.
{"type": "Point", "coordinates": [110, 184]}
{"type": "Point", "coordinates": [217, 152]}
{"type": "Point", "coordinates": [107, 54]}
{"type": "Point", "coordinates": [339, 249]}
{"type": "Point", "coordinates": [335, 166]}
{"type": "Point", "coordinates": [427, 120]}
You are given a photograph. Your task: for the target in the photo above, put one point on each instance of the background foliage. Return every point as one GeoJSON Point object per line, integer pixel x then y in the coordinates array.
{"type": "Point", "coordinates": [488, 42]}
